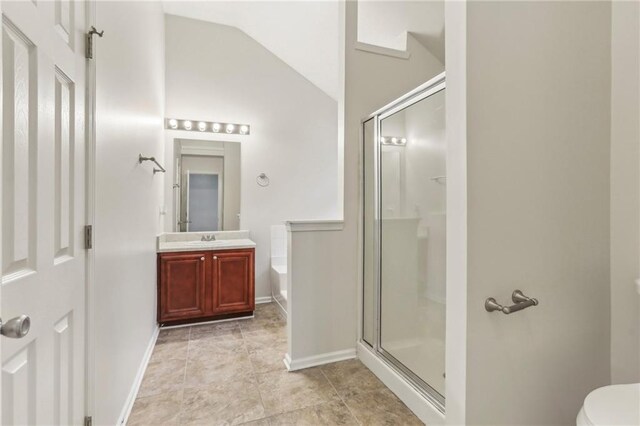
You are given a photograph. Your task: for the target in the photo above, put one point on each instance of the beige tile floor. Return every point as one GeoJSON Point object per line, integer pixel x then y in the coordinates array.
{"type": "Point", "coordinates": [232, 373]}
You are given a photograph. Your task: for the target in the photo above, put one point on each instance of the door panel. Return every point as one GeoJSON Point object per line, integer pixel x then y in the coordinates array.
{"type": "Point", "coordinates": [63, 370]}
{"type": "Point", "coordinates": [64, 176]}
{"type": "Point", "coordinates": [19, 141]}
{"type": "Point", "coordinates": [182, 286]}
{"type": "Point", "coordinates": [43, 210]}
{"type": "Point", "coordinates": [18, 392]}
{"type": "Point", "coordinates": [233, 281]}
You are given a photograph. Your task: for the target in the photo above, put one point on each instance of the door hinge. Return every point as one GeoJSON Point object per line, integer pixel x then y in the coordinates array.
{"type": "Point", "coordinates": [88, 421]}
{"type": "Point", "coordinates": [88, 237]}
{"type": "Point", "coordinates": [90, 34]}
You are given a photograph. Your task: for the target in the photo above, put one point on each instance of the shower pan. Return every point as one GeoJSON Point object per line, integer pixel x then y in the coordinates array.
{"type": "Point", "coordinates": [404, 237]}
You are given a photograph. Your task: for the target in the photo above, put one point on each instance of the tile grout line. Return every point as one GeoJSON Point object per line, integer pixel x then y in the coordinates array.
{"type": "Point", "coordinates": [184, 377]}
{"type": "Point", "coordinates": [244, 333]}
{"type": "Point", "coordinates": [192, 333]}
{"type": "Point", "coordinates": [340, 396]}
{"type": "Point", "coordinates": [269, 417]}
{"type": "Point", "coordinates": [255, 376]}
{"type": "Point", "coordinates": [310, 406]}
{"type": "Point", "coordinates": [384, 388]}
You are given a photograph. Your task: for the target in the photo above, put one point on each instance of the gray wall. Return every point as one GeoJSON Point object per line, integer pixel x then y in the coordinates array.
{"type": "Point", "coordinates": [625, 192]}
{"type": "Point", "coordinates": [538, 119]}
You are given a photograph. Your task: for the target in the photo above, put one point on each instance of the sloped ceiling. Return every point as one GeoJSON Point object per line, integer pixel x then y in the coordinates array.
{"type": "Point", "coordinates": [303, 34]}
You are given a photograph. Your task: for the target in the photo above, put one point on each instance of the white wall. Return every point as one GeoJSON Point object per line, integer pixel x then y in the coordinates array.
{"type": "Point", "coordinates": [129, 110]}
{"type": "Point", "coordinates": [625, 192]}
{"type": "Point", "coordinates": [538, 120]}
{"type": "Point", "coordinates": [215, 72]}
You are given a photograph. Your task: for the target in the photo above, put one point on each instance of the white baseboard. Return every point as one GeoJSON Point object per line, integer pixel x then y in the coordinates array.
{"type": "Point", "coordinates": [281, 309]}
{"type": "Point", "coordinates": [417, 403]}
{"type": "Point", "coordinates": [287, 361]}
{"type": "Point", "coordinates": [313, 361]}
{"type": "Point", "coordinates": [191, 324]}
{"type": "Point", "coordinates": [264, 299]}
{"type": "Point", "coordinates": [131, 399]}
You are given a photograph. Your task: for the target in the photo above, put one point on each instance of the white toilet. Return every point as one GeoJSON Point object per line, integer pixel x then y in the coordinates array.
{"type": "Point", "coordinates": [611, 405]}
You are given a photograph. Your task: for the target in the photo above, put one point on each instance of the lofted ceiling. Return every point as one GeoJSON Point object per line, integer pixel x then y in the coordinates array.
{"type": "Point", "coordinates": [304, 34]}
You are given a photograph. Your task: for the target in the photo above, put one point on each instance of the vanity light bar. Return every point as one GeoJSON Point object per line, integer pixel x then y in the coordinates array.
{"type": "Point", "coordinates": [207, 126]}
{"type": "Point", "coordinates": [393, 140]}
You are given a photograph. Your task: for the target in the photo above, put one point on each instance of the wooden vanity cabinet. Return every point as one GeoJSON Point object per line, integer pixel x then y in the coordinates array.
{"type": "Point", "coordinates": [207, 285]}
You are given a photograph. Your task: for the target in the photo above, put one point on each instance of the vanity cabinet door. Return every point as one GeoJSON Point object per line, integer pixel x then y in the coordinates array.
{"type": "Point", "coordinates": [182, 286]}
{"type": "Point", "coordinates": [233, 281]}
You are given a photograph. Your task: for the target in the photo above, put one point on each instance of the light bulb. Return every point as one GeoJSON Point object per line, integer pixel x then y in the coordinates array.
{"type": "Point", "coordinates": [383, 139]}
{"type": "Point", "coordinates": [244, 129]}
{"type": "Point", "coordinates": [173, 123]}
{"type": "Point", "coordinates": [187, 125]}
{"type": "Point", "coordinates": [403, 140]}
{"type": "Point", "coordinates": [394, 140]}
{"type": "Point", "coordinates": [202, 126]}
{"type": "Point", "coordinates": [230, 128]}
{"type": "Point", "coordinates": [216, 127]}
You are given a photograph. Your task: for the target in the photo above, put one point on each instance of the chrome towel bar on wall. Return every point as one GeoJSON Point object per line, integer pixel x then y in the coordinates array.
{"type": "Point", "coordinates": [161, 169]}
{"type": "Point", "coordinates": [519, 299]}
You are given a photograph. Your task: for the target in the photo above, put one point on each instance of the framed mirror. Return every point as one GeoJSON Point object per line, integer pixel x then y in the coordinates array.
{"type": "Point", "coordinates": [206, 185]}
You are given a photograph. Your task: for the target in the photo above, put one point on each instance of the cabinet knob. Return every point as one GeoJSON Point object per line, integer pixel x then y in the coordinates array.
{"type": "Point", "coordinates": [215, 257]}
{"type": "Point", "coordinates": [202, 258]}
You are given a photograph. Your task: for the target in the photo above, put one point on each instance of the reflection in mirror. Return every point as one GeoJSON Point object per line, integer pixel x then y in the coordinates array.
{"type": "Point", "coordinates": [206, 185]}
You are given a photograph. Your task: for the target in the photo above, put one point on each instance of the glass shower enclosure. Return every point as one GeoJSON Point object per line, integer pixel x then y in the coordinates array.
{"type": "Point", "coordinates": [404, 237]}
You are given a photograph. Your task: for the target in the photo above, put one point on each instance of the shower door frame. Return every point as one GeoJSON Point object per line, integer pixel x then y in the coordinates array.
{"type": "Point", "coordinates": [422, 92]}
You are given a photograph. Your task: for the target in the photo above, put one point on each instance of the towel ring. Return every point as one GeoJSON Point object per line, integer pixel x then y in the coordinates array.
{"type": "Point", "coordinates": [262, 180]}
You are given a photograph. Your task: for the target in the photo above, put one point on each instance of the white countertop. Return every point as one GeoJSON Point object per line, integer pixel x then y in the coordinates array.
{"type": "Point", "coordinates": [205, 245]}
{"type": "Point", "coordinates": [190, 241]}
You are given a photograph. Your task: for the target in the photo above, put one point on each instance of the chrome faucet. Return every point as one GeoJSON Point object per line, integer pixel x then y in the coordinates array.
{"type": "Point", "coordinates": [208, 238]}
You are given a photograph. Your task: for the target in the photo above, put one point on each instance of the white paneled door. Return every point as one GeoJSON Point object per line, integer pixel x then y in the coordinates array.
{"type": "Point", "coordinates": [43, 211]}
